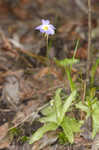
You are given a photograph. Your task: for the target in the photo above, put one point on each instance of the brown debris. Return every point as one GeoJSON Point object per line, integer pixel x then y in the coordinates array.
{"type": "Point", "coordinates": [4, 142]}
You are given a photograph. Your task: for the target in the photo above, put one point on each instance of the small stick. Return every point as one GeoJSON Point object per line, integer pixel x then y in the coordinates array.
{"type": "Point", "coordinates": [89, 39]}
{"type": "Point", "coordinates": [82, 6]}
{"type": "Point", "coordinates": [83, 98]}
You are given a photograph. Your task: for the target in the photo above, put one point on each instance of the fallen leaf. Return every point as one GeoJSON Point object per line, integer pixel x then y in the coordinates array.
{"type": "Point", "coordinates": [4, 142]}
{"type": "Point", "coordinates": [20, 13]}
{"type": "Point", "coordinates": [81, 53]}
{"type": "Point", "coordinates": [3, 130]}
{"type": "Point", "coordinates": [48, 139]}
{"type": "Point", "coordinates": [11, 91]}
{"type": "Point", "coordinates": [48, 70]}
{"type": "Point", "coordinates": [3, 9]}
{"type": "Point", "coordinates": [24, 1]}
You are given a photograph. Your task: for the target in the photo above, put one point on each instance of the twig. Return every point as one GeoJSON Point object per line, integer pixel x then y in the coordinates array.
{"type": "Point", "coordinates": [34, 115]}
{"type": "Point", "coordinates": [5, 110]}
{"type": "Point", "coordinates": [82, 6]}
{"type": "Point", "coordinates": [89, 39]}
{"type": "Point", "coordinates": [83, 98]}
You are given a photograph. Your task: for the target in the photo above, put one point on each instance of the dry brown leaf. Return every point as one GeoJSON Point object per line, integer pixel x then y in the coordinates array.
{"type": "Point", "coordinates": [48, 70]}
{"type": "Point", "coordinates": [3, 9]}
{"type": "Point", "coordinates": [3, 130]}
{"type": "Point", "coordinates": [48, 139]}
{"type": "Point", "coordinates": [4, 142]}
{"type": "Point", "coordinates": [20, 13]}
{"type": "Point", "coordinates": [67, 27]}
{"type": "Point", "coordinates": [42, 73]}
{"type": "Point", "coordinates": [24, 1]}
{"type": "Point", "coordinates": [81, 53]}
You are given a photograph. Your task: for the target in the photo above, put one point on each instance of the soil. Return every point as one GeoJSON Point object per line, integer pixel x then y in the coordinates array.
{"type": "Point", "coordinates": [27, 80]}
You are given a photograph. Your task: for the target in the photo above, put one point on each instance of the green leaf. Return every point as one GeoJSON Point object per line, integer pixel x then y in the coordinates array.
{"type": "Point", "coordinates": [93, 71]}
{"type": "Point", "coordinates": [58, 101]}
{"type": "Point", "coordinates": [58, 106]}
{"type": "Point", "coordinates": [66, 62]}
{"type": "Point", "coordinates": [92, 92]}
{"type": "Point", "coordinates": [41, 131]}
{"type": "Point", "coordinates": [24, 138]}
{"type": "Point", "coordinates": [84, 108]}
{"type": "Point", "coordinates": [68, 131]}
{"type": "Point", "coordinates": [53, 114]}
{"type": "Point", "coordinates": [48, 110]}
{"type": "Point", "coordinates": [95, 105]}
{"type": "Point", "coordinates": [74, 124]}
{"type": "Point", "coordinates": [58, 110]}
{"type": "Point", "coordinates": [68, 102]}
{"type": "Point", "coordinates": [71, 126]}
{"type": "Point", "coordinates": [95, 120]}
{"type": "Point", "coordinates": [49, 118]}
{"type": "Point", "coordinates": [62, 138]}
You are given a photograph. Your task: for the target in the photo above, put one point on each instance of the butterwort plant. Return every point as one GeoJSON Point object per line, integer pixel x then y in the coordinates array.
{"type": "Point", "coordinates": [54, 116]}
{"type": "Point", "coordinates": [47, 29]}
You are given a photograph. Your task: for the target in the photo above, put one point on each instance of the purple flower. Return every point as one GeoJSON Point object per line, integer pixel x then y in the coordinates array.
{"type": "Point", "coordinates": [46, 27]}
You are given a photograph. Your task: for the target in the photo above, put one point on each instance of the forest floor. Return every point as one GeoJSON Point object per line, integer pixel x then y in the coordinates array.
{"type": "Point", "coordinates": [27, 82]}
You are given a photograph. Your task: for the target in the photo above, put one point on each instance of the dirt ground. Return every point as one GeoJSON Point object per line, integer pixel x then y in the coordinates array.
{"type": "Point", "coordinates": [26, 81]}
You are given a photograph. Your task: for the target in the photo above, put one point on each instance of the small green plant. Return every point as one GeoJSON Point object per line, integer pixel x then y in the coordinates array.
{"type": "Point", "coordinates": [66, 64]}
{"type": "Point", "coordinates": [91, 107]}
{"type": "Point", "coordinates": [24, 138]}
{"type": "Point", "coordinates": [93, 71]}
{"type": "Point", "coordinates": [14, 132]}
{"type": "Point", "coordinates": [62, 138]}
{"type": "Point", "coordinates": [54, 117]}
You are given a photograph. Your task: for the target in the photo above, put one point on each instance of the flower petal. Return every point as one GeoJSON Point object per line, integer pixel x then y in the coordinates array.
{"type": "Point", "coordinates": [42, 31]}
{"type": "Point", "coordinates": [45, 22]}
{"type": "Point", "coordinates": [51, 26]}
{"type": "Point", "coordinates": [46, 27]}
{"type": "Point", "coordinates": [38, 27]}
{"type": "Point", "coordinates": [50, 32]}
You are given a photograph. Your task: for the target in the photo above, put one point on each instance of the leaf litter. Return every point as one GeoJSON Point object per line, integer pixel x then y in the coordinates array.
{"type": "Point", "coordinates": [26, 84]}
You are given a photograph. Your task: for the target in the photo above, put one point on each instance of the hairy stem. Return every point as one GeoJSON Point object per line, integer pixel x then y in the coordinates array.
{"type": "Point", "coordinates": [47, 49]}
